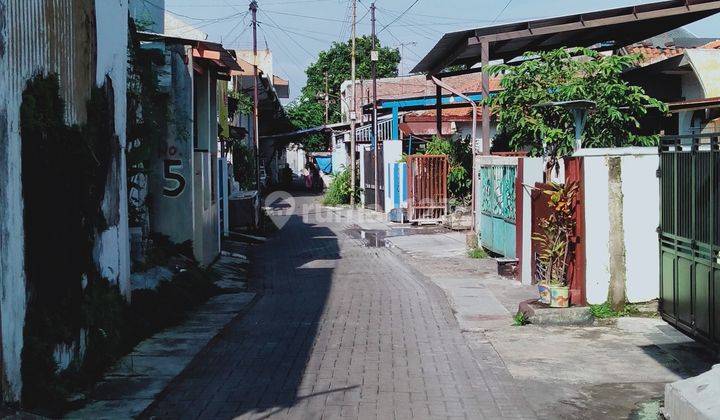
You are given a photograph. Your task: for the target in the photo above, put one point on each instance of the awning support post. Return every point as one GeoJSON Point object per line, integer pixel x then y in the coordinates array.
{"type": "Point", "coordinates": [395, 123]}
{"type": "Point", "coordinates": [438, 109]}
{"type": "Point", "coordinates": [473, 140]}
{"type": "Point", "coordinates": [485, 58]}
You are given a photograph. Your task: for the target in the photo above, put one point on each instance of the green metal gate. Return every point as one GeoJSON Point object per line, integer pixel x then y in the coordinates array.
{"type": "Point", "coordinates": [497, 209]}
{"type": "Point", "coordinates": [690, 235]}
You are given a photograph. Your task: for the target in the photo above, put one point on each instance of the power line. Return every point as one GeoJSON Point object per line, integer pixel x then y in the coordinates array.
{"type": "Point", "coordinates": [237, 38]}
{"type": "Point", "coordinates": [416, 32]}
{"type": "Point", "coordinates": [285, 31]}
{"type": "Point", "coordinates": [148, 3]}
{"type": "Point", "coordinates": [302, 16]}
{"type": "Point", "coordinates": [501, 12]}
{"type": "Point", "coordinates": [282, 46]}
{"type": "Point", "coordinates": [288, 31]}
{"type": "Point", "coordinates": [240, 22]}
{"type": "Point", "coordinates": [346, 22]}
{"type": "Point", "coordinates": [282, 2]}
{"type": "Point", "coordinates": [399, 17]}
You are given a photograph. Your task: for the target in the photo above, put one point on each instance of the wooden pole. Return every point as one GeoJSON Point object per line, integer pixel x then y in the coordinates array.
{"type": "Point", "coordinates": [373, 61]}
{"type": "Point", "coordinates": [256, 131]}
{"type": "Point", "coordinates": [353, 112]}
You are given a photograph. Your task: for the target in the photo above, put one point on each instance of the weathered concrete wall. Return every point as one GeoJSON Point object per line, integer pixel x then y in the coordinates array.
{"type": "Point", "coordinates": [703, 82]}
{"type": "Point", "coordinates": [339, 153]}
{"type": "Point", "coordinates": [206, 243]}
{"type": "Point", "coordinates": [60, 37]}
{"type": "Point", "coordinates": [171, 182]}
{"type": "Point", "coordinates": [464, 129]}
{"type": "Point", "coordinates": [692, 89]}
{"type": "Point", "coordinates": [264, 60]}
{"type": "Point", "coordinates": [361, 169]}
{"type": "Point", "coordinates": [533, 169]}
{"type": "Point", "coordinates": [112, 250]}
{"type": "Point", "coordinates": [616, 245]}
{"type": "Point", "coordinates": [640, 219]}
{"type": "Point", "coordinates": [706, 65]}
{"type": "Point", "coordinates": [295, 157]}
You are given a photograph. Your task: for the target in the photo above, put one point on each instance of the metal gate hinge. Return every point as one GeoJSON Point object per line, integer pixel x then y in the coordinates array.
{"type": "Point", "coordinates": [657, 173]}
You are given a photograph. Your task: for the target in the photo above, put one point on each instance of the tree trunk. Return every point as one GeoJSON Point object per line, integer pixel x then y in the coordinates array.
{"type": "Point", "coordinates": [616, 244]}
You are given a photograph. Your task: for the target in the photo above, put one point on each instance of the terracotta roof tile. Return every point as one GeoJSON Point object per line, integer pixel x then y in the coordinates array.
{"type": "Point", "coordinates": [713, 45]}
{"type": "Point", "coordinates": [417, 86]}
{"type": "Point", "coordinates": [449, 114]}
{"type": "Point", "coordinates": [653, 54]}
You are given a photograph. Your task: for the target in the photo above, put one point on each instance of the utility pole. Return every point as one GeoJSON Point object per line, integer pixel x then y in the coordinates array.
{"type": "Point", "coordinates": [327, 100]}
{"type": "Point", "coordinates": [256, 131]}
{"type": "Point", "coordinates": [376, 144]}
{"type": "Point", "coordinates": [353, 112]}
{"type": "Point", "coordinates": [402, 55]}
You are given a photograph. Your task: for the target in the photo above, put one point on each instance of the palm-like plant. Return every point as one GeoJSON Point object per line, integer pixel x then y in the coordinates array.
{"type": "Point", "coordinates": [557, 230]}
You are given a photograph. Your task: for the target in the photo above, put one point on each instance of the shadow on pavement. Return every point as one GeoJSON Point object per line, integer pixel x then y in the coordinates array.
{"type": "Point", "coordinates": [257, 363]}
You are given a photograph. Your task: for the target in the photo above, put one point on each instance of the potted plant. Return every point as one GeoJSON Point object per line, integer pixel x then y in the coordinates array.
{"type": "Point", "coordinates": [556, 231]}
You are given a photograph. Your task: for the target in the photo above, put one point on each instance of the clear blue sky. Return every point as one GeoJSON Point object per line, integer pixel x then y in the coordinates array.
{"type": "Point", "coordinates": [310, 26]}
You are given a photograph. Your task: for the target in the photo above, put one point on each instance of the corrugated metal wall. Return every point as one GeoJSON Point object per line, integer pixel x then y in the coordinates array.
{"type": "Point", "coordinates": [52, 36]}
{"type": "Point", "coordinates": [38, 37]}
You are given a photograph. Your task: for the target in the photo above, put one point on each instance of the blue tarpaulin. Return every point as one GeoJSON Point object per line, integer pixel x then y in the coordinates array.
{"type": "Point", "coordinates": [324, 164]}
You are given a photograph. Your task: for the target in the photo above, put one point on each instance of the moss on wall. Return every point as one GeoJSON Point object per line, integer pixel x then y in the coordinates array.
{"type": "Point", "coordinates": [64, 177]}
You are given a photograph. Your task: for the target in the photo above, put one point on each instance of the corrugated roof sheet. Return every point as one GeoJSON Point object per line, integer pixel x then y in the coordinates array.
{"type": "Point", "coordinates": [606, 29]}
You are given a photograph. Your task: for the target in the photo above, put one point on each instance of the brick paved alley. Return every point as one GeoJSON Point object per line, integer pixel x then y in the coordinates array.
{"type": "Point", "coordinates": [341, 331]}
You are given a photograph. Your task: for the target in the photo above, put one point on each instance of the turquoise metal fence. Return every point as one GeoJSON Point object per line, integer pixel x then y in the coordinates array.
{"type": "Point", "coordinates": [497, 209]}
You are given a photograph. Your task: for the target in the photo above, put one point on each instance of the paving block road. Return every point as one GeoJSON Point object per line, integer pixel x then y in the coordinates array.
{"type": "Point", "coordinates": [341, 331]}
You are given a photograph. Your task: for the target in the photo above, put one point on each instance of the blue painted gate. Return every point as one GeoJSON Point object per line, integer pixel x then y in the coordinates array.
{"type": "Point", "coordinates": [497, 209]}
{"type": "Point", "coordinates": [396, 185]}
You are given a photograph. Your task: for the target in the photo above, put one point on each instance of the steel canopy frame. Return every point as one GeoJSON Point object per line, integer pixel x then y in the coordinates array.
{"type": "Point", "coordinates": [606, 29]}
{"type": "Point", "coordinates": [395, 106]}
{"type": "Point", "coordinates": [603, 30]}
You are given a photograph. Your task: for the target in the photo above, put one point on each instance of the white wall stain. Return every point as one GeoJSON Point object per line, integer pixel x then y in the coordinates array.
{"type": "Point", "coordinates": [112, 26]}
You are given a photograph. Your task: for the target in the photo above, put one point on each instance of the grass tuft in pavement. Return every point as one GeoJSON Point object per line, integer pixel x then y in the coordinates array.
{"type": "Point", "coordinates": [604, 311]}
{"type": "Point", "coordinates": [477, 253]}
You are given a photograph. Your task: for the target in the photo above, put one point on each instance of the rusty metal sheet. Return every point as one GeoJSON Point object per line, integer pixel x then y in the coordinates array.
{"type": "Point", "coordinates": [427, 187]}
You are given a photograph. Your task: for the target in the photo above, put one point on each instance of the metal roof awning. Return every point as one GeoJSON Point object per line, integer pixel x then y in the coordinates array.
{"type": "Point", "coordinates": [694, 104]}
{"type": "Point", "coordinates": [603, 30]}
{"type": "Point", "coordinates": [421, 102]}
{"type": "Point", "coordinates": [424, 128]}
{"type": "Point", "coordinates": [214, 54]}
{"type": "Point", "coordinates": [298, 134]}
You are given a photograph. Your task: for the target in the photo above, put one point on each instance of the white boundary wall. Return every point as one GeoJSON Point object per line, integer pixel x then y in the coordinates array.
{"type": "Point", "coordinates": [641, 217]}
{"type": "Point", "coordinates": [392, 153]}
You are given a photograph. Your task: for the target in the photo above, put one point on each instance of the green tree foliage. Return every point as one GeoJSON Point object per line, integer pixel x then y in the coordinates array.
{"type": "Point", "coordinates": [565, 75]}
{"type": "Point", "coordinates": [340, 190]}
{"type": "Point", "coordinates": [307, 111]}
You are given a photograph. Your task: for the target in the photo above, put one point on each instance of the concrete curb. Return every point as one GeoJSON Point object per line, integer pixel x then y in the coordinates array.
{"type": "Point", "coordinates": [695, 398]}
{"type": "Point", "coordinates": [136, 380]}
{"type": "Point", "coordinates": [544, 316]}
